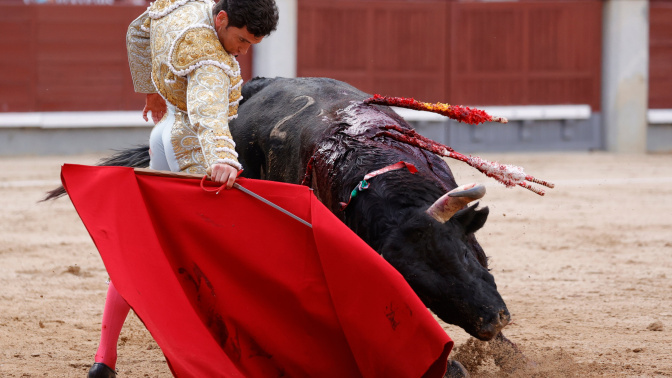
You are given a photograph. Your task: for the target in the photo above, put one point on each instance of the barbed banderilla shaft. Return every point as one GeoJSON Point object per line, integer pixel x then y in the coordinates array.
{"type": "Point", "coordinates": [509, 175]}
{"type": "Point", "coordinates": [459, 113]}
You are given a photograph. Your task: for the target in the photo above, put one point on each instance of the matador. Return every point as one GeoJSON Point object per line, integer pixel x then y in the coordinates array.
{"type": "Point", "coordinates": [182, 54]}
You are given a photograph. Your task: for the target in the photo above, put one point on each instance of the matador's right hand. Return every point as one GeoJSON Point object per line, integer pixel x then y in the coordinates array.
{"type": "Point", "coordinates": [223, 174]}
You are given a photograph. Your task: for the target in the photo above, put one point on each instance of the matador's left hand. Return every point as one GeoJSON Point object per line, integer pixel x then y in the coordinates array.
{"type": "Point", "coordinates": [157, 105]}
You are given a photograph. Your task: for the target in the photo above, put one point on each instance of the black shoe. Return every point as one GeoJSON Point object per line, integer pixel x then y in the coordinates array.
{"type": "Point", "coordinates": [100, 370]}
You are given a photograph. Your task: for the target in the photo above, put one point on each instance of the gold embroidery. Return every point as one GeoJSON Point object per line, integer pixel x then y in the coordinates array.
{"type": "Point", "coordinates": [208, 112]}
{"type": "Point", "coordinates": [201, 44]}
{"type": "Point", "coordinates": [147, 23]}
{"type": "Point", "coordinates": [139, 55]}
{"type": "Point", "coordinates": [172, 88]}
{"type": "Point", "coordinates": [198, 45]}
{"type": "Point", "coordinates": [190, 66]}
{"type": "Point", "coordinates": [159, 7]}
{"type": "Point", "coordinates": [186, 145]}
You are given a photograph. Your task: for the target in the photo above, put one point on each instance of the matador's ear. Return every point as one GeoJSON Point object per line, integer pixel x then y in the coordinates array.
{"type": "Point", "coordinates": [221, 19]}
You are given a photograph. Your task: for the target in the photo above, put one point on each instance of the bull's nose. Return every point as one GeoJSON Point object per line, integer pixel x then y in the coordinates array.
{"type": "Point", "coordinates": [489, 331]}
{"type": "Point", "coordinates": [504, 318]}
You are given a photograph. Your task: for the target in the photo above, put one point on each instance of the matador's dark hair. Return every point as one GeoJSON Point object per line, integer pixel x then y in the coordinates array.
{"type": "Point", "coordinates": [260, 16]}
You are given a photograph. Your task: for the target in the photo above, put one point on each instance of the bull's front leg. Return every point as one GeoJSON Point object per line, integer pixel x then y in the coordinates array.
{"type": "Point", "coordinates": [456, 370]}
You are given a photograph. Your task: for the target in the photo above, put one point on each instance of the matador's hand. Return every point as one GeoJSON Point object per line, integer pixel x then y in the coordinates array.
{"type": "Point", "coordinates": [223, 174]}
{"type": "Point", "coordinates": [157, 105]}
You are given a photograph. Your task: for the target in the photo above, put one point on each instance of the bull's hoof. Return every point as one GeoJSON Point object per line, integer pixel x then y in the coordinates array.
{"type": "Point", "coordinates": [100, 370]}
{"type": "Point", "coordinates": [455, 370]}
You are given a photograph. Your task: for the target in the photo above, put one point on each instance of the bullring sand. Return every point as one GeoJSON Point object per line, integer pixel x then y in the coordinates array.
{"type": "Point", "coordinates": [586, 272]}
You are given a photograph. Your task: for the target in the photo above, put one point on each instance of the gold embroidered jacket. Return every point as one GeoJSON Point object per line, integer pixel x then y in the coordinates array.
{"type": "Point", "coordinates": [173, 49]}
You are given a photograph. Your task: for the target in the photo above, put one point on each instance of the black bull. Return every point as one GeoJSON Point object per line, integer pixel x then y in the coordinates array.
{"type": "Point", "coordinates": [318, 131]}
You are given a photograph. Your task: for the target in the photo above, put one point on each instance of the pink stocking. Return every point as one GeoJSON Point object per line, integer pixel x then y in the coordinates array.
{"type": "Point", "coordinates": [114, 315]}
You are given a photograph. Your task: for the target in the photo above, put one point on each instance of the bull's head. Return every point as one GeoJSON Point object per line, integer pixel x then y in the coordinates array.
{"type": "Point", "coordinates": [437, 253]}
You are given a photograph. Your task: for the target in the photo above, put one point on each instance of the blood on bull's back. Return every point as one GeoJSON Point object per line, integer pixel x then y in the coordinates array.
{"type": "Point", "coordinates": [319, 132]}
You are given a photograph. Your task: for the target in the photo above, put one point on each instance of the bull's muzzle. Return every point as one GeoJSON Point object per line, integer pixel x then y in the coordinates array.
{"type": "Point", "coordinates": [490, 330]}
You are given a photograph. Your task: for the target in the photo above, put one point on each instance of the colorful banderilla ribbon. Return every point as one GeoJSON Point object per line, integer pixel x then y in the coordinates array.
{"type": "Point", "coordinates": [364, 184]}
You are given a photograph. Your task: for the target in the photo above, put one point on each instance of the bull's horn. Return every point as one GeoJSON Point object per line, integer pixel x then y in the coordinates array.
{"type": "Point", "coordinates": [451, 202]}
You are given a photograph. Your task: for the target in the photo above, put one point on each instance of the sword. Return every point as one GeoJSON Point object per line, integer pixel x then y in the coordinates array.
{"type": "Point", "coordinates": [153, 172]}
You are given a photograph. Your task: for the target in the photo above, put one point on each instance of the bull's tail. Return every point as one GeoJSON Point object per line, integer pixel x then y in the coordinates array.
{"type": "Point", "coordinates": [137, 157]}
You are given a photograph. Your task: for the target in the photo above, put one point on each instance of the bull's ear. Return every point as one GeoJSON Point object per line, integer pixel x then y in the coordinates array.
{"type": "Point", "coordinates": [472, 219]}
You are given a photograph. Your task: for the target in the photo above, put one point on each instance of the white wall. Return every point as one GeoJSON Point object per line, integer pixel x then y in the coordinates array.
{"type": "Point", "coordinates": [276, 54]}
{"type": "Point", "coordinates": [625, 75]}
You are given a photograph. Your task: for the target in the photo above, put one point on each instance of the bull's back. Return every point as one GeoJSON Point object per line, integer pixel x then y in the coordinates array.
{"type": "Point", "coordinates": [281, 120]}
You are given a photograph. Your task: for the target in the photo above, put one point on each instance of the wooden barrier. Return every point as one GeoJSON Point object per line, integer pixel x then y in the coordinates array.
{"type": "Point", "coordinates": [73, 58]}
{"type": "Point", "coordinates": [508, 53]}
{"type": "Point", "coordinates": [660, 55]}
{"type": "Point", "coordinates": [68, 58]}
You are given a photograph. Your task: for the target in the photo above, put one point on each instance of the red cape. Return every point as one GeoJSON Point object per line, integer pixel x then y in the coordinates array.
{"type": "Point", "coordinates": [229, 286]}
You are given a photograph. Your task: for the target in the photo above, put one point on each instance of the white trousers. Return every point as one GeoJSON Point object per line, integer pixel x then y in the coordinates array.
{"type": "Point", "coordinates": [162, 155]}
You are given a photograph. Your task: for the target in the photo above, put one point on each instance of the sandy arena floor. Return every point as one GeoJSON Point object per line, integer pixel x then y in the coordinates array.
{"type": "Point", "coordinates": [586, 272]}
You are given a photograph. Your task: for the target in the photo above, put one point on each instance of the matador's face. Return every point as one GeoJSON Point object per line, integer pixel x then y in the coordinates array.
{"type": "Point", "coordinates": [236, 41]}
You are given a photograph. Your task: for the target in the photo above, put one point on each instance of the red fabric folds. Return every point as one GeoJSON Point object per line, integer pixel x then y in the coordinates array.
{"type": "Point", "coordinates": [230, 287]}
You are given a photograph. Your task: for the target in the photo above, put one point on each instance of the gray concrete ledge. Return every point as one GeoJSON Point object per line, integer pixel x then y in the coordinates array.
{"type": "Point", "coordinates": [66, 133]}
{"type": "Point", "coordinates": [69, 141]}
{"type": "Point", "coordinates": [530, 129]}
{"type": "Point", "coordinates": [659, 138]}
{"type": "Point", "coordinates": [526, 135]}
